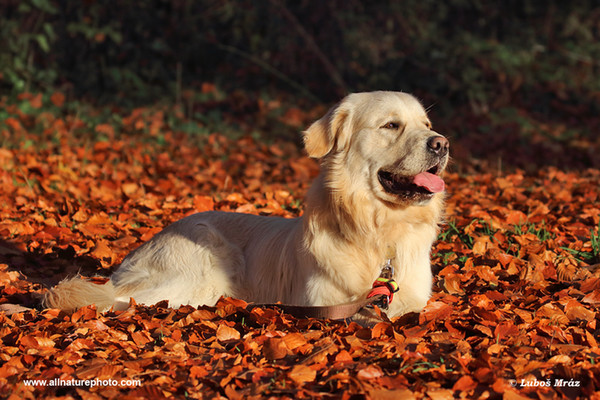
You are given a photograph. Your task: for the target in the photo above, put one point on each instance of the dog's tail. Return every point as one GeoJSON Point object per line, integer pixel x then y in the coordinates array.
{"type": "Point", "coordinates": [73, 293]}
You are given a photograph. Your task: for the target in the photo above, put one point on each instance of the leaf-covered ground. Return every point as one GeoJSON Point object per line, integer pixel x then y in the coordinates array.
{"type": "Point", "coordinates": [514, 315]}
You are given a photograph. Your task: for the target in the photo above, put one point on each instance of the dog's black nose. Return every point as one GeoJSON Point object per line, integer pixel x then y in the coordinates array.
{"type": "Point", "coordinates": [438, 145]}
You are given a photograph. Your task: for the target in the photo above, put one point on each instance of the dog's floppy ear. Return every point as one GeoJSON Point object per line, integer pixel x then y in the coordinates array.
{"type": "Point", "coordinates": [327, 132]}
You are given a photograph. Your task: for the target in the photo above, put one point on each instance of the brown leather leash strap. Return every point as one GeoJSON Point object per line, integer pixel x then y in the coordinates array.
{"type": "Point", "coordinates": [381, 295]}
{"type": "Point", "coordinates": [339, 311]}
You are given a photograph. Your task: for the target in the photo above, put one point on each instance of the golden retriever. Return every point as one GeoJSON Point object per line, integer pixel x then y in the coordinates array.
{"type": "Point", "coordinates": [379, 188]}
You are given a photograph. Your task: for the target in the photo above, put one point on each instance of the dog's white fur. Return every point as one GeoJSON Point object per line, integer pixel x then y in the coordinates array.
{"type": "Point", "coordinates": [330, 255]}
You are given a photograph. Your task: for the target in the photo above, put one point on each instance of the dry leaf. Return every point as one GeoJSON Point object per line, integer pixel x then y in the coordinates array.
{"type": "Point", "coordinates": [225, 333]}
{"type": "Point", "coordinates": [302, 374]}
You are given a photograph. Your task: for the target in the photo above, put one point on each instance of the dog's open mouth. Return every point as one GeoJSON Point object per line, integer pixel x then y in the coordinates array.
{"type": "Point", "coordinates": [424, 183]}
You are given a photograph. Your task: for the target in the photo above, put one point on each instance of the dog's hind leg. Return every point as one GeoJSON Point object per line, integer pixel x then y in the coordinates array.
{"type": "Point", "coordinates": [189, 263]}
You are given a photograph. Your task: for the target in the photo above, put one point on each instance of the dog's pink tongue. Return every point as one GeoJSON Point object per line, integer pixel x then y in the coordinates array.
{"type": "Point", "coordinates": [429, 181]}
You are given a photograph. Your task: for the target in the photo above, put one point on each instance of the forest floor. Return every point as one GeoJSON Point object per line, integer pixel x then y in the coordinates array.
{"type": "Point", "coordinates": [514, 314]}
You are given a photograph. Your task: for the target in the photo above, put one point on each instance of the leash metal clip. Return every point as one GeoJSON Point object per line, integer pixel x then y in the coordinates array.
{"type": "Point", "coordinates": [385, 286]}
{"type": "Point", "coordinates": [387, 271]}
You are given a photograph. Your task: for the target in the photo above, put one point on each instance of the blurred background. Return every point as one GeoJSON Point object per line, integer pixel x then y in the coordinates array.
{"type": "Point", "coordinates": [514, 84]}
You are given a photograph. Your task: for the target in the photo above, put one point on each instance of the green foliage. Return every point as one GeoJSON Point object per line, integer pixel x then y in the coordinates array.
{"type": "Point", "coordinates": [592, 256]}
{"type": "Point", "coordinates": [485, 56]}
{"type": "Point", "coordinates": [541, 233]}
{"type": "Point", "coordinates": [480, 227]}
{"type": "Point", "coordinates": [454, 230]}
{"type": "Point", "coordinates": [27, 37]}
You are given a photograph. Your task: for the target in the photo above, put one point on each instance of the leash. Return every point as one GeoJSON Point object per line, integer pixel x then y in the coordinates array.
{"type": "Point", "coordinates": [380, 295]}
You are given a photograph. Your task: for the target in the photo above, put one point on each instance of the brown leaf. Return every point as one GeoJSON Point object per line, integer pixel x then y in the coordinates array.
{"type": "Point", "coordinates": [575, 311]}
{"type": "Point", "coordinates": [453, 284]}
{"type": "Point", "coordinates": [552, 312]}
{"type": "Point", "coordinates": [382, 329]}
{"type": "Point", "coordinates": [592, 298]}
{"type": "Point", "coordinates": [435, 310]}
{"type": "Point", "coordinates": [275, 349]}
{"type": "Point", "coordinates": [506, 329]}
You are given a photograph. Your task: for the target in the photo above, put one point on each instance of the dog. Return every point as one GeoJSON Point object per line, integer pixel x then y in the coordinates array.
{"type": "Point", "coordinates": [380, 187]}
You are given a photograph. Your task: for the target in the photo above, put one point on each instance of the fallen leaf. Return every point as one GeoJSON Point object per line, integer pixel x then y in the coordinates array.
{"type": "Point", "coordinates": [226, 333]}
{"type": "Point", "coordinates": [301, 374]}
{"type": "Point", "coordinates": [275, 349]}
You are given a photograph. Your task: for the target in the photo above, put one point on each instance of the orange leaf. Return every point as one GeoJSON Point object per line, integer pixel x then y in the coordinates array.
{"type": "Point", "coordinates": [294, 340]}
{"type": "Point", "coordinates": [484, 375]}
{"type": "Point", "coordinates": [481, 244]}
{"type": "Point", "coordinates": [84, 314]}
{"type": "Point", "coordinates": [203, 203]}
{"type": "Point", "coordinates": [225, 333]}
{"type": "Point", "coordinates": [440, 394]}
{"type": "Point", "coordinates": [506, 329]}
{"type": "Point", "coordinates": [302, 374]}
{"type": "Point", "coordinates": [515, 217]}
{"type": "Point", "coordinates": [102, 251]}
{"type": "Point", "coordinates": [36, 101]}
{"type": "Point", "coordinates": [129, 188]}
{"type": "Point", "coordinates": [343, 356]}
{"type": "Point", "coordinates": [107, 129]}
{"type": "Point", "coordinates": [485, 273]}
{"type": "Point", "coordinates": [141, 338]}
{"type": "Point", "coordinates": [8, 371]}
{"type": "Point", "coordinates": [560, 359]}
{"type": "Point", "coordinates": [504, 258]}
{"type": "Point", "coordinates": [58, 99]}
{"type": "Point", "coordinates": [465, 384]}
{"type": "Point", "coordinates": [198, 371]}
{"type": "Point", "coordinates": [208, 87]}
{"type": "Point", "coordinates": [81, 215]}
{"type": "Point", "coordinates": [29, 341]}
{"type": "Point", "coordinates": [574, 311]}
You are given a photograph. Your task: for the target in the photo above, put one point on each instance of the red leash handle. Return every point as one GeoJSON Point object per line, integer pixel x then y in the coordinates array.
{"type": "Point", "coordinates": [386, 287]}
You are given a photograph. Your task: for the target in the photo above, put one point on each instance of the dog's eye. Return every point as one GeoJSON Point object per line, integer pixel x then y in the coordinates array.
{"type": "Point", "coordinates": [428, 125]}
{"type": "Point", "coordinates": [391, 125]}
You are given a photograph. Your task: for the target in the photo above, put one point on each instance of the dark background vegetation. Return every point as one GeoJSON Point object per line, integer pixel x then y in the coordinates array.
{"type": "Point", "coordinates": [513, 83]}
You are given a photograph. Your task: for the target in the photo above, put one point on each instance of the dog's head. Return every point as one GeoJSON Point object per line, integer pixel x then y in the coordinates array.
{"type": "Point", "coordinates": [385, 143]}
